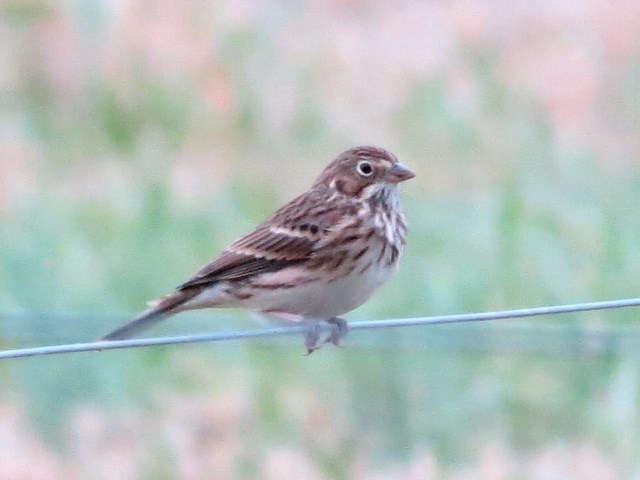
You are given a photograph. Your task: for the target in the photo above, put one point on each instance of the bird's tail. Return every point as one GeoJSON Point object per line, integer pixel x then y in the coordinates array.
{"type": "Point", "coordinates": [160, 309]}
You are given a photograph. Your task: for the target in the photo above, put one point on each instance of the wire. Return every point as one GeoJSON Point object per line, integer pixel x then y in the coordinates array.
{"type": "Point", "coordinates": [290, 330]}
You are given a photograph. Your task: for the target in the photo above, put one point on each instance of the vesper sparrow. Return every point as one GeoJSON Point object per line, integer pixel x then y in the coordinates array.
{"type": "Point", "coordinates": [319, 256]}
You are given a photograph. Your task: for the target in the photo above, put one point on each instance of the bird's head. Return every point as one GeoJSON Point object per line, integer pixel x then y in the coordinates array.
{"type": "Point", "coordinates": [364, 172]}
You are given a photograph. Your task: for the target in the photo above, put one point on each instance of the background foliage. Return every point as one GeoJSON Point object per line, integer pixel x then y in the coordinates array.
{"type": "Point", "coordinates": [138, 138]}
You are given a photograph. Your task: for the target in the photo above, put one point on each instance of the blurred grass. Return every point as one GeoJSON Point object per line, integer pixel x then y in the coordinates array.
{"type": "Point", "coordinates": [136, 178]}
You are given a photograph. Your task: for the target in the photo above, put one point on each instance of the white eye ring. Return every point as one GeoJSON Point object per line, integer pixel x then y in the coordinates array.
{"type": "Point", "coordinates": [364, 168]}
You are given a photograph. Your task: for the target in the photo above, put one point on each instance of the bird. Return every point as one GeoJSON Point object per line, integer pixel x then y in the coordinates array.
{"type": "Point", "coordinates": [316, 258]}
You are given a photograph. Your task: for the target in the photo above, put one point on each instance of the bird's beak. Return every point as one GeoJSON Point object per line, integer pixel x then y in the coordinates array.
{"type": "Point", "coordinates": [399, 173]}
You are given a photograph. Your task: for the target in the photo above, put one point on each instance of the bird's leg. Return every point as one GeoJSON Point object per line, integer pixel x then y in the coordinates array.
{"type": "Point", "coordinates": [311, 337]}
{"type": "Point", "coordinates": [337, 333]}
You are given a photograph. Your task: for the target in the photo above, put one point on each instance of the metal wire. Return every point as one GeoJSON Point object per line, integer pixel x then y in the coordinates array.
{"type": "Point", "coordinates": [296, 329]}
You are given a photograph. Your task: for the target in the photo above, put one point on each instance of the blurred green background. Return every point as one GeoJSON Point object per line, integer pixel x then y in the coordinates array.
{"type": "Point", "coordinates": [137, 138]}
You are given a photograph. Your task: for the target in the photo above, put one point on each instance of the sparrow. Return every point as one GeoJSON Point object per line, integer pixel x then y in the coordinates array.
{"type": "Point", "coordinates": [316, 258]}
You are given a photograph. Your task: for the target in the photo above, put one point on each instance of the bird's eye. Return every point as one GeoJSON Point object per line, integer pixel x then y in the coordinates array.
{"type": "Point", "coordinates": [364, 168]}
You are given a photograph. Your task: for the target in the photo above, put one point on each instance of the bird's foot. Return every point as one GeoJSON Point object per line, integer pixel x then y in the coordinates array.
{"type": "Point", "coordinates": [337, 333]}
{"type": "Point", "coordinates": [312, 337]}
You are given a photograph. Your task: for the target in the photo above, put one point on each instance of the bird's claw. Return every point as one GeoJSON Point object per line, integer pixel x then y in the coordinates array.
{"type": "Point", "coordinates": [311, 338]}
{"type": "Point", "coordinates": [337, 333]}
{"type": "Point", "coordinates": [312, 335]}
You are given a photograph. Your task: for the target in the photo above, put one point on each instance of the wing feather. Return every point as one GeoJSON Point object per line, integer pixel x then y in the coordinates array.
{"type": "Point", "coordinates": [237, 262]}
{"type": "Point", "coordinates": [277, 243]}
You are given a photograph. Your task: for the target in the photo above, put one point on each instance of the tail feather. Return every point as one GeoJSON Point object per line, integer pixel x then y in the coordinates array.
{"type": "Point", "coordinates": [160, 309]}
{"type": "Point", "coordinates": [142, 322]}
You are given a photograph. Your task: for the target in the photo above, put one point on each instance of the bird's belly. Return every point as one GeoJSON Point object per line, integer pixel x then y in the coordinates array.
{"type": "Point", "coordinates": [320, 296]}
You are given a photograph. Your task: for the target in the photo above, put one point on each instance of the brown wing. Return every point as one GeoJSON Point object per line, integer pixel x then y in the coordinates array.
{"type": "Point", "coordinates": [289, 237]}
{"type": "Point", "coordinates": [260, 251]}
